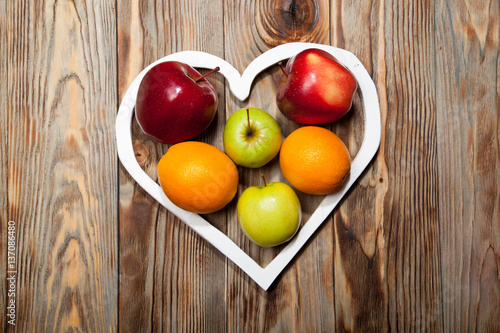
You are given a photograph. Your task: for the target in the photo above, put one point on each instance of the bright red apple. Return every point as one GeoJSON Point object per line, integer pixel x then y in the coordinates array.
{"type": "Point", "coordinates": [316, 89]}
{"type": "Point", "coordinates": [175, 102]}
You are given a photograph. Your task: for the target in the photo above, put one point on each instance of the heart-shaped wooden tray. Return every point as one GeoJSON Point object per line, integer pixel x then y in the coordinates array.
{"type": "Point", "coordinates": [240, 86]}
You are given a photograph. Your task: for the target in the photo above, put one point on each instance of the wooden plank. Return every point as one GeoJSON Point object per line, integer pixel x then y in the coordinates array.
{"type": "Point", "coordinates": [173, 279]}
{"type": "Point", "coordinates": [5, 49]}
{"type": "Point", "coordinates": [361, 296]}
{"type": "Point", "coordinates": [468, 86]}
{"type": "Point", "coordinates": [302, 297]}
{"type": "Point", "coordinates": [387, 273]}
{"type": "Point", "coordinates": [137, 211]}
{"type": "Point", "coordinates": [413, 269]}
{"type": "Point", "coordinates": [61, 163]}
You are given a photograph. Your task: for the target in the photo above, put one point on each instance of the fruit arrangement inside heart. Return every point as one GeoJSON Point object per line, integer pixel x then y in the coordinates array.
{"type": "Point", "coordinates": [176, 103]}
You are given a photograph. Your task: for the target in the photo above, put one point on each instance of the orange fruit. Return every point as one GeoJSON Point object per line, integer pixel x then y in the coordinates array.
{"type": "Point", "coordinates": [198, 177]}
{"type": "Point", "coordinates": [314, 160]}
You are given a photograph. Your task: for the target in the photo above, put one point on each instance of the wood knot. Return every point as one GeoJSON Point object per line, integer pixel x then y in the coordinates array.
{"type": "Point", "coordinates": [141, 152]}
{"type": "Point", "coordinates": [288, 21]}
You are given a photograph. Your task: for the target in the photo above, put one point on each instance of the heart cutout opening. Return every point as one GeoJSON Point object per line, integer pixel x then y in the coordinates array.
{"type": "Point", "coordinates": [262, 265]}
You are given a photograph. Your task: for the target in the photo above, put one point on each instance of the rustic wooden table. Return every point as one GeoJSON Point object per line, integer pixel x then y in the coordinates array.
{"type": "Point", "coordinates": [415, 245]}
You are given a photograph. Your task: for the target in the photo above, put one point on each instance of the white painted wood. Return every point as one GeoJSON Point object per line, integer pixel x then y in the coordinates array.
{"type": "Point", "coordinates": [240, 86]}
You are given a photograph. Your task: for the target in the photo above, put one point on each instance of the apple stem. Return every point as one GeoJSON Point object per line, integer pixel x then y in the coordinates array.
{"type": "Point", "coordinates": [249, 128]}
{"type": "Point", "coordinates": [216, 69]}
{"type": "Point", "coordinates": [264, 179]}
{"type": "Point", "coordinates": [282, 68]}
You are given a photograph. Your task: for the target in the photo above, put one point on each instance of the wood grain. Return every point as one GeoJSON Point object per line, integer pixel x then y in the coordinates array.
{"type": "Point", "coordinates": [389, 222]}
{"type": "Point", "coordinates": [467, 77]}
{"type": "Point", "coordinates": [305, 289]}
{"type": "Point", "coordinates": [62, 165]}
{"type": "Point", "coordinates": [177, 277]}
{"type": "Point", "coordinates": [137, 210]}
{"type": "Point", "coordinates": [413, 235]}
{"type": "Point", "coordinates": [6, 47]}
{"type": "Point", "coordinates": [360, 253]}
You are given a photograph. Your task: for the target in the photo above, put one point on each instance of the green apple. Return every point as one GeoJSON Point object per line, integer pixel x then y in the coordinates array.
{"type": "Point", "coordinates": [269, 214]}
{"type": "Point", "coordinates": [251, 137]}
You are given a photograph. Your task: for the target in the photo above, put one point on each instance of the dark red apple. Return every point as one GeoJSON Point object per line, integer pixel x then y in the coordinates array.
{"type": "Point", "coordinates": [316, 89]}
{"type": "Point", "coordinates": [175, 102]}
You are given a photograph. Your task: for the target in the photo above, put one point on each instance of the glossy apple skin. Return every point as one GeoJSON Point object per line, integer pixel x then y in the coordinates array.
{"type": "Point", "coordinates": [257, 149]}
{"type": "Point", "coordinates": [269, 214]}
{"type": "Point", "coordinates": [318, 89]}
{"type": "Point", "coordinates": [171, 106]}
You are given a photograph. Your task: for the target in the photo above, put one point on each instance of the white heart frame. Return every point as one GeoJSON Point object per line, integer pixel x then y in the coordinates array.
{"type": "Point", "coordinates": [240, 86]}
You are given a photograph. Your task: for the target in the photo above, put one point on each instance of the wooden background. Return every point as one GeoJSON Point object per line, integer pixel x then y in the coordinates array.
{"type": "Point", "coordinates": [414, 246]}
